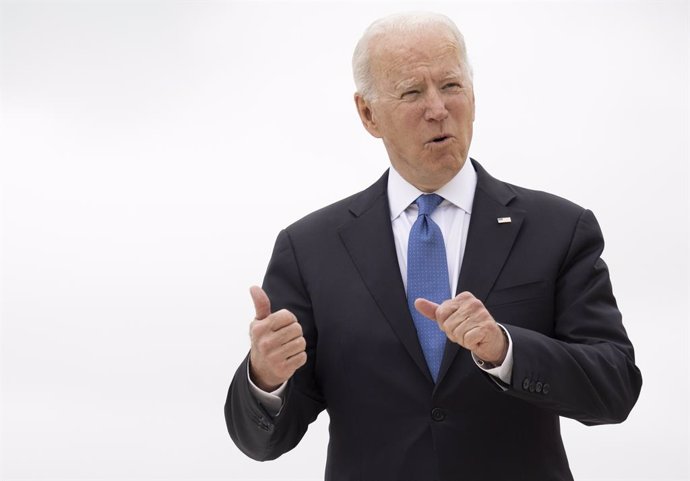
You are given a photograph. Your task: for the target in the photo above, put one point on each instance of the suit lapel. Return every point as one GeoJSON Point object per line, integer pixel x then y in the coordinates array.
{"type": "Point", "coordinates": [369, 241]}
{"type": "Point", "coordinates": [368, 238]}
{"type": "Point", "coordinates": [488, 244]}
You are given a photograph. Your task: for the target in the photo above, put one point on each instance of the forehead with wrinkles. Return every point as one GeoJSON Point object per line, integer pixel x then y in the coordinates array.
{"type": "Point", "coordinates": [395, 57]}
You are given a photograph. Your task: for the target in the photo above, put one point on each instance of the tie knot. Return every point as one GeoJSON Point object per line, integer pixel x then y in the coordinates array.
{"type": "Point", "coordinates": [427, 203]}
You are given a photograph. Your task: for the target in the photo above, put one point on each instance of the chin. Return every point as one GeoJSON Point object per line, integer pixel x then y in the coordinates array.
{"type": "Point", "coordinates": [430, 180]}
{"type": "Point", "coordinates": [449, 163]}
{"type": "Point", "coordinates": [445, 170]}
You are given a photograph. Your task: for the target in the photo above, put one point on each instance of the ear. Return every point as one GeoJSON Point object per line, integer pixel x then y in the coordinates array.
{"type": "Point", "coordinates": [366, 115]}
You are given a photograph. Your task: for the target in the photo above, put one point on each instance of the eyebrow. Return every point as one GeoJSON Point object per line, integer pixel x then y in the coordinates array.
{"type": "Point", "coordinates": [412, 81]}
{"type": "Point", "coordinates": [406, 84]}
{"type": "Point", "coordinates": [452, 74]}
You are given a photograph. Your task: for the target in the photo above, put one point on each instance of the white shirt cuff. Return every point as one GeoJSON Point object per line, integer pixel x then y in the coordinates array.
{"type": "Point", "coordinates": [504, 372]}
{"type": "Point", "coordinates": [272, 401]}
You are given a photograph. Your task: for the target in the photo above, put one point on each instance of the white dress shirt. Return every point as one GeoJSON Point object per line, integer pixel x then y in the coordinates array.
{"type": "Point", "coordinates": [453, 218]}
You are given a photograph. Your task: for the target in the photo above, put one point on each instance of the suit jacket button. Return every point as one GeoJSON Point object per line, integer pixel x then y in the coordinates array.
{"type": "Point", "coordinates": [546, 388]}
{"type": "Point", "coordinates": [538, 387]}
{"type": "Point", "coordinates": [438, 414]}
{"type": "Point", "coordinates": [532, 386]}
{"type": "Point", "coordinates": [525, 384]}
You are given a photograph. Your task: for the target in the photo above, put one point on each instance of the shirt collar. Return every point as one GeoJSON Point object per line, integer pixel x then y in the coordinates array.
{"type": "Point", "coordinates": [459, 191]}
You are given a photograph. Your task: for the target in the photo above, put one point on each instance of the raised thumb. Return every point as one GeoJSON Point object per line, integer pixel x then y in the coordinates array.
{"type": "Point", "coordinates": [262, 304]}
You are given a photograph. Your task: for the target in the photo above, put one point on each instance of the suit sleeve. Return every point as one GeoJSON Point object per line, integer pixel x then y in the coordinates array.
{"type": "Point", "coordinates": [586, 370]}
{"type": "Point", "coordinates": [254, 430]}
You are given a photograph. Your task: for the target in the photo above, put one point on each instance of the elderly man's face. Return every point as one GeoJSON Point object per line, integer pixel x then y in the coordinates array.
{"type": "Point", "coordinates": [424, 109]}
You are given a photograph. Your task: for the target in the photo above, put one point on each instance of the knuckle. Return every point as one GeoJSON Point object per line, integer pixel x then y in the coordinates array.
{"type": "Point", "coordinates": [292, 331]}
{"type": "Point", "coordinates": [275, 319]}
{"type": "Point", "coordinates": [445, 326]}
{"type": "Point", "coordinates": [288, 328]}
{"type": "Point", "coordinates": [300, 359]}
{"type": "Point", "coordinates": [474, 303]}
{"type": "Point", "coordinates": [444, 311]}
{"type": "Point", "coordinates": [445, 319]}
{"type": "Point", "coordinates": [254, 328]}
{"type": "Point", "coordinates": [470, 337]}
{"type": "Point", "coordinates": [461, 337]}
{"type": "Point", "coordinates": [264, 345]}
{"type": "Point", "coordinates": [464, 296]}
{"type": "Point", "coordinates": [447, 329]}
{"type": "Point", "coordinates": [287, 316]}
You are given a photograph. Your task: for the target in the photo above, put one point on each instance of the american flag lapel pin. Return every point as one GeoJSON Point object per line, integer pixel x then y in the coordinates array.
{"type": "Point", "coordinates": [504, 220]}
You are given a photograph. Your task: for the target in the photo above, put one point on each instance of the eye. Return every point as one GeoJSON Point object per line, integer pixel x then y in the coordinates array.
{"type": "Point", "coordinates": [410, 94]}
{"type": "Point", "coordinates": [452, 86]}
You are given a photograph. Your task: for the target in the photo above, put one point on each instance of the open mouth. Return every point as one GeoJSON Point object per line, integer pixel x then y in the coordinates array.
{"type": "Point", "coordinates": [440, 139]}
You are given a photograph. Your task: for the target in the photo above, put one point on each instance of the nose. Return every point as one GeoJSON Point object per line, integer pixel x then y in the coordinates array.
{"type": "Point", "coordinates": [435, 106]}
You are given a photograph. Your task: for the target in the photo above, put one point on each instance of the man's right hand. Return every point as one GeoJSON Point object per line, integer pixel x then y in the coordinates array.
{"type": "Point", "coordinates": [278, 346]}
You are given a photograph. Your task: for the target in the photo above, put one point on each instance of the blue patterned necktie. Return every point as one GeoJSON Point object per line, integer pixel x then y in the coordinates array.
{"type": "Point", "coordinates": [427, 277]}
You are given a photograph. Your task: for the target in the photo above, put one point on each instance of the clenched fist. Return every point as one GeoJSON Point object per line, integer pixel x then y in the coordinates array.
{"type": "Point", "coordinates": [277, 344]}
{"type": "Point", "coordinates": [466, 321]}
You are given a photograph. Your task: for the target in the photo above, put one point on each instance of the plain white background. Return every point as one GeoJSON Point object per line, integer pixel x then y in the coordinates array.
{"type": "Point", "coordinates": [151, 151]}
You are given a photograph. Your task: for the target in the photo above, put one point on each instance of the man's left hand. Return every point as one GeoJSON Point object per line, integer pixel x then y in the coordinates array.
{"type": "Point", "coordinates": [466, 321]}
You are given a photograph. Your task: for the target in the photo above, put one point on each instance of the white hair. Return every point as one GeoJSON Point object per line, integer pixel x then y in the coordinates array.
{"type": "Point", "coordinates": [400, 23]}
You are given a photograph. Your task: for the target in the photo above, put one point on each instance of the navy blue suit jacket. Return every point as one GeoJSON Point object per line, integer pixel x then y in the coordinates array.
{"type": "Point", "coordinates": [540, 276]}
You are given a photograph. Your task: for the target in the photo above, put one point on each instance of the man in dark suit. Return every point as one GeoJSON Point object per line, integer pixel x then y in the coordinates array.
{"type": "Point", "coordinates": [422, 385]}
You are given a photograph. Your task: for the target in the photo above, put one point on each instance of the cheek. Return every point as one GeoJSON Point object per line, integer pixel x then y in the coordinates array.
{"type": "Point", "coordinates": [463, 109]}
{"type": "Point", "coordinates": [408, 113]}
{"type": "Point", "coordinates": [464, 124]}
{"type": "Point", "coordinates": [412, 125]}
{"type": "Point", "coordinates": [405, 129]}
